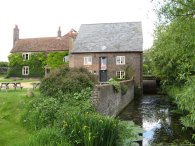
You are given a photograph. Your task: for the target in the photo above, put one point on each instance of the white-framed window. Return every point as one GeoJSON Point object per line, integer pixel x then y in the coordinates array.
{"type": "Point", "coordinates": [88, 60]}
{"type": "Point", "coordinates": [120, 74]}
{"type": "Point", "coordinates": [66, 59]}
{"type": "Point", "coordinates": [25, 56]}
{"type": "Point", "coordinates": [25, 70]}
{"type": "Point", "coordinates": [120, 60]}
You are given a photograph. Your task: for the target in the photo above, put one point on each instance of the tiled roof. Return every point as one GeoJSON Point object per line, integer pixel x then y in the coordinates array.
{"type": "Point", "coordinates": [109, 37]}
{"type": "Point", "coordinates": [46, 44]}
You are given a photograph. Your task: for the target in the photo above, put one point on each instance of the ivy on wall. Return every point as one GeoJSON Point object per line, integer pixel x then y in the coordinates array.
{"type": "Point", "coordinates": [36, 63]}
{"type": "Point", "coordinates": [55, 59]}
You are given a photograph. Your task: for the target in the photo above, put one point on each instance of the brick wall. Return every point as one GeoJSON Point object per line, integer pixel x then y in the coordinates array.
{"type": "Point", "coordinates": [108, 102]}
{"type": "Point", "coordinates": [134, 60]}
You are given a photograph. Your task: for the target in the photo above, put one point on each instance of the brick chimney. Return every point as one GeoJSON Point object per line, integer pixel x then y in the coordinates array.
{"type": "Point", "coordinates": [59, 32]}
{"type": "Point", "coordinates": [15, 35]}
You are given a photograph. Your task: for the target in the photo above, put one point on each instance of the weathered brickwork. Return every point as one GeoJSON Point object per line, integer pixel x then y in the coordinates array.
{"type": "Point", "coordinates": [134, 60]}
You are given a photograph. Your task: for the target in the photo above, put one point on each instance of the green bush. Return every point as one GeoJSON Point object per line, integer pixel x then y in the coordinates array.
{"type": "Point", "coordinates": [184, 97]}
{"type": "Point", "coordinates": [66, 81]}
{"type": "Point", "coordinates": [40, 113]}
{"type": "Point", "coordinates": [3, 64]}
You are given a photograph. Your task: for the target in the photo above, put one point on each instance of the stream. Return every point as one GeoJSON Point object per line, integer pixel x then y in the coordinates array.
{"type": "Point", "coordinates": [153, 114]}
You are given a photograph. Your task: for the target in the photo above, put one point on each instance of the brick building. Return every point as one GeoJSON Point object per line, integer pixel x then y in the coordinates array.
{"type": "Point", "coordinates": [108, 49]}
{"type": "Point", "coordinates": [29, 46]}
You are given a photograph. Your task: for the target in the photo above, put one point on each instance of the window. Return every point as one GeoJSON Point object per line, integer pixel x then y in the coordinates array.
{"type": "Point", "coordinates": [88, 60]}
{"type": "Point", "coordinates": [25, 56]}
{"type": "Point", "coordinates": [120, 74]}
{"type": "Point", "coordinates": [120, 60]}
{"type": "Point", "coordinates": [66, 59]}
{"type": "Point", "coordinates": [25, 70]}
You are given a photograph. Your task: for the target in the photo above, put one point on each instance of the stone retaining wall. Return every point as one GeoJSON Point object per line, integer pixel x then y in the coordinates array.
{"type": "Point", "coordinates": [108, 102]}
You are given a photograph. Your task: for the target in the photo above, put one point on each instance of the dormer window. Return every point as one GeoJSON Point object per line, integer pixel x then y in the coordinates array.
{"type": "Point", "coordinates": [26, 56]}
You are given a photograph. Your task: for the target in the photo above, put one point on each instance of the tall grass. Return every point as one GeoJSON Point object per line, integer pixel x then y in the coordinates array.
{"type": "Point", "coordinates": [90, 130]}
{"type": "Point", "coordinates": [46, 137]}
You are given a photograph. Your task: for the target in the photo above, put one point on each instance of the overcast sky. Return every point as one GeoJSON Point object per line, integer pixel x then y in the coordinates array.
{"type": "Point", "coordinates": [41, 18]}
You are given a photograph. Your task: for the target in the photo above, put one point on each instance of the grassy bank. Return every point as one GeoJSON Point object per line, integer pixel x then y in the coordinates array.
{"type": "Point", "coordinates": [11, 108]}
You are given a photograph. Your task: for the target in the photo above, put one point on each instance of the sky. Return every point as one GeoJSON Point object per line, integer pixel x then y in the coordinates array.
{"type": "Point", "coordinates": [42, 18]}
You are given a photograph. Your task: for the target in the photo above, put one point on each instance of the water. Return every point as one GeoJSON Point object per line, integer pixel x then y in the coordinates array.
{"type": "Point", "coordinates": [153, 114]}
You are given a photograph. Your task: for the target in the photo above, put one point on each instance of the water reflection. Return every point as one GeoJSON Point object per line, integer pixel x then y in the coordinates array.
{"type": "Point", "coordinates": [154, 114]}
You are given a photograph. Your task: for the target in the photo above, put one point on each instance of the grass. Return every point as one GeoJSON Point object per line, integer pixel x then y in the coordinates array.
{"type": "Point", "coordinates": [2, 79]}
{"type": "Point", "coordinates": [11, 107]}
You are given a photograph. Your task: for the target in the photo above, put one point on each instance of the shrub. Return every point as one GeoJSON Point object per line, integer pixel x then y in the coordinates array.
{"type": "Point", "coordinates": [66, 81]}
{"type": "Point", "coordinates": [3, 64]}
{"type": "Point", "coordinates": [185, 99]}
{"type": "Point", "coordinates": [115, 84]}
{"type": "Point", "coordinates": [40, 113]}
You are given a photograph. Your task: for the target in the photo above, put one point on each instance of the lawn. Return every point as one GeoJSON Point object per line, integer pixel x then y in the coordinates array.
{"type": "Point", "coordinates": [22, 80]}
{"type": "Point", "coordinates": [12, 105]}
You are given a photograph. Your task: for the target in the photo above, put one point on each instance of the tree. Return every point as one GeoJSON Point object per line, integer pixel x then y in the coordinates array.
{"type": "Point", "coordinates": [174, 46]}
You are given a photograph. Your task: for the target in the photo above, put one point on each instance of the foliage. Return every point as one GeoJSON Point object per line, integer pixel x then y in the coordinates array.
{"type": "Point", "coordinates": [185, 99]}
{"type": "Point", "coordinates": [172, 9]}
{"type": "Point", "coordinates": [83, 95]}
{"type": "Point", "coordinates": [124, 89]}
{"type": "Point", "coordinates": [147, 63]}
{"type": "Point", "coordinates": [15, 65]}
{"type": "Point", "coordinates": [40, 113]}
{"type": "Point", "coordinates": [55, 59]}
{"type": "Point", "coordinates": [3, 67]}
{"type": "Point", "coordinates": [94, 130]}
{"type": "Point", "coordinates": [66, 81]}
{"type": "Point", "coordinates": [128, 133]}
{"type": "Point", "coordinates": [173, 51]}
{"type": "Point", "coordinates": [115, 84]}
{"type": "Point", "coordinates": [90, 130]}
{"type": "Point", "coordinates": [129, 72]}
{"type": "Point", "coordinates": [46, 137]}
{"type": "Point", "coordinates": [36, 65]}
{"type": "Point", "coordinates": [118, 87]}
{"type": "Point", "coordinates": [3, 64]}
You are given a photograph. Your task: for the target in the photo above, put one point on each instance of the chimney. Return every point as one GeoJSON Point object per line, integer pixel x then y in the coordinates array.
{"type": "Point", "coordinates": [15, 35]}
{"type": "Point", "coordinates": [59, 32]}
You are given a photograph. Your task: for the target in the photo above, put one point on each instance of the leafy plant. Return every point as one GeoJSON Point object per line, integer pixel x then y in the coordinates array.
{"type": "Point", "coordinates": [124, 89]}
{"type": "Point", "coordinates": [90, 130]}
{"type": "Point", "coordinates": [115, 84]}
{"type": "Point", "coordinates": [66, 81]}
{"type": "Point", "coordinates": [184, 98]}
{"type": "Point", "coordinates": [40, 113]}
{"type": "Point", "coordinates": [55, 59]}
